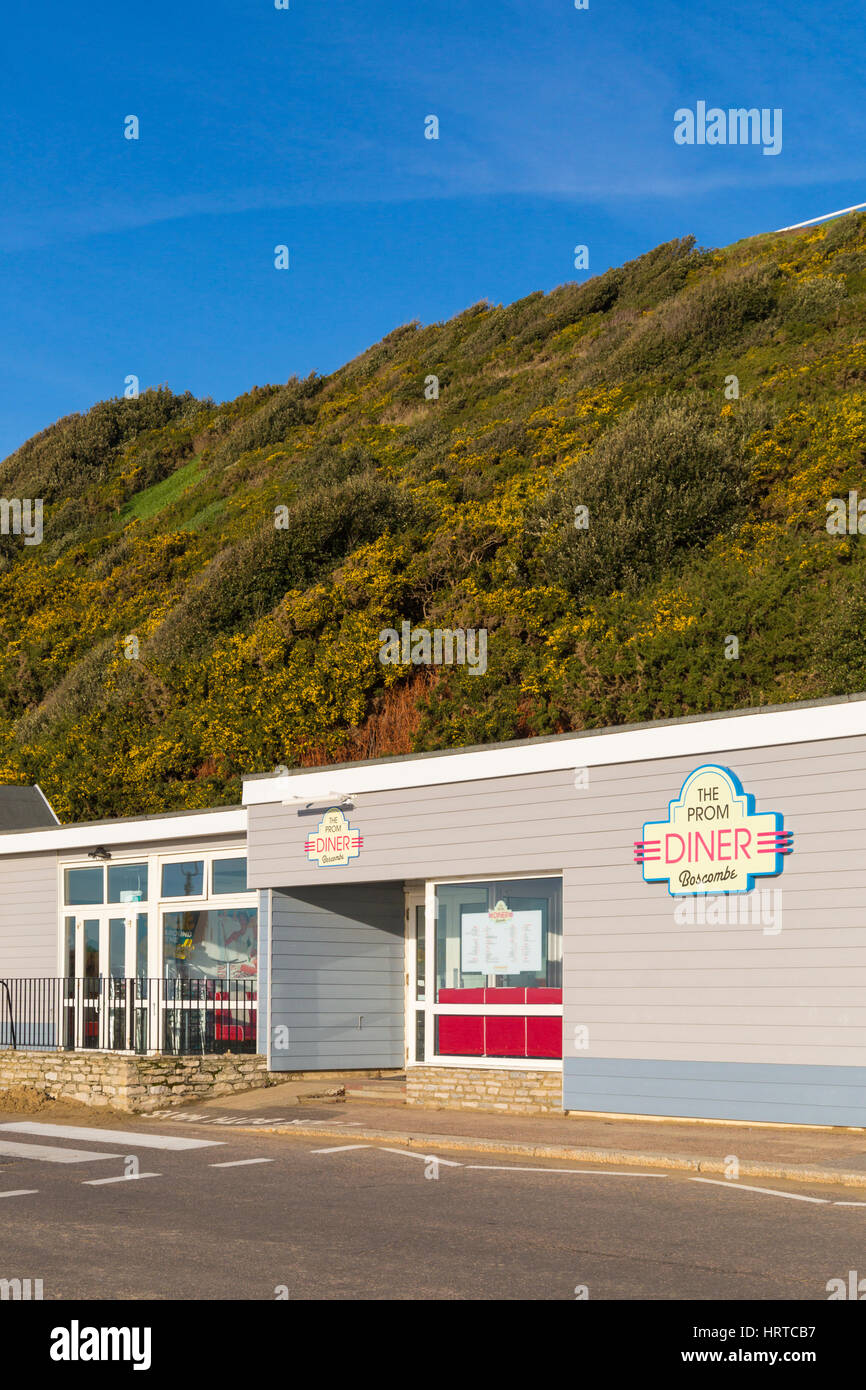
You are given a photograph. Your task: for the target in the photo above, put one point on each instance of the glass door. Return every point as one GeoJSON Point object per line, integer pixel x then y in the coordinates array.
{"type": "Point", "coordinates": [416, 975]}
{"type": "Point", "coordinates": [109, 953]}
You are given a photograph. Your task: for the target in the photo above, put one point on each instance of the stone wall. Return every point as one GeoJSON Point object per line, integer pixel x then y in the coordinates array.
{"type": "Point", "coordinates": [134, 1083]}
{"type": "Point", "coordinates": [512, 1092]}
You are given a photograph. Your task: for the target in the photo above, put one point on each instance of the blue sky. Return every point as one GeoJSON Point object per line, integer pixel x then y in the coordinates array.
{"type": "Point", "coordinates": [305, 127]}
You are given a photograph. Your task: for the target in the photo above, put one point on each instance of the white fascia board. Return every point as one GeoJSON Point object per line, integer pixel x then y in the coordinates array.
{"type": "Point", "coordinates": [48, 804]}
{"type": "Point", "coordinates": [696, 738]}
{"type": "Point", "coordinates": [126, 832]}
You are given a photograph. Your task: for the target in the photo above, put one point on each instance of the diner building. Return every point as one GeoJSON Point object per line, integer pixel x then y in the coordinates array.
{"type": "Point", "coordinates": [665, 919]}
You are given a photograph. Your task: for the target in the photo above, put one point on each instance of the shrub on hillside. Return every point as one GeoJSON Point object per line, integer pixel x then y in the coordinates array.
{"type": "Point", "coordinates": [80, 449]}
{"type": "Point", "coordinates": [249, 579]}
{"type": "Point", "coordinates": [715, 313]}
{"type": "Point", "coordinates": [669, 475]}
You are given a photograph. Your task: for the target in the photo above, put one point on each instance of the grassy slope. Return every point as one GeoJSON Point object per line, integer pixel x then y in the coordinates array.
{"type": "Point", "coordinates": [258, 646]}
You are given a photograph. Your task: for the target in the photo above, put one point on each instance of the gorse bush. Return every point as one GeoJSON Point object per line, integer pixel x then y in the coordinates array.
{"type": "Point", "coordinates": [701, 405]}
{"type": "Point", "coordinates": [666, 478]}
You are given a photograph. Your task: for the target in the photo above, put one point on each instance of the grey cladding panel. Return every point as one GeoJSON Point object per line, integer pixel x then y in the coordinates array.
{"type": "Point", "coordinates": [337, 962]}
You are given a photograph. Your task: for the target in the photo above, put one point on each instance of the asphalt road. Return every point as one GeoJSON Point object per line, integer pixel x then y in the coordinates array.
{"type": "Point", "coordinates": [318, 1220]}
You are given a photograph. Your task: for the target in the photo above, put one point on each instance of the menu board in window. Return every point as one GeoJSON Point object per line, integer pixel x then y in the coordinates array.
{"type": "Point", "coordinates": [501, 941]}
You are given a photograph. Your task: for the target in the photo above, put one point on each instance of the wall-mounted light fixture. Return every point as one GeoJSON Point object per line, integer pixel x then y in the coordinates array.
{"type": "Point", "coordinates": [310, 810]}
{"type": "Point", "coordinates": [99, 853]}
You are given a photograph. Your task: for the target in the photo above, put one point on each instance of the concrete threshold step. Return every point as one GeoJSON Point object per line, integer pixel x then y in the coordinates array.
{"type": "Point", "coordinates": [393, 1095]}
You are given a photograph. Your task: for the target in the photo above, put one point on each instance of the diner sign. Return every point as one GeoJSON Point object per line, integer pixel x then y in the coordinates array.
{"type": "Point", "coordinates": [334, 842]}
{"type": "Point", "coordinates": [713, 841]}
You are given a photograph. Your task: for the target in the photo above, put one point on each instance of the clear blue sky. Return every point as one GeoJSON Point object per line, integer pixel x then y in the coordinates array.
{"type": "Point", "coordinates": [306, 127]}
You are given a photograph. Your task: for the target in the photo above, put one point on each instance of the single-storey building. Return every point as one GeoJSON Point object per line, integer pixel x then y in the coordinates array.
{"type": "Point", "coordinates": [661, 919]}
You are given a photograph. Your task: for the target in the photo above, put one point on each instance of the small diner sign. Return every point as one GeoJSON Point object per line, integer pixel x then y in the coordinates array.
{"type": "Point", "coordinates": [334, 842]}
{"type": "Point", "coordinates": [713, 841]}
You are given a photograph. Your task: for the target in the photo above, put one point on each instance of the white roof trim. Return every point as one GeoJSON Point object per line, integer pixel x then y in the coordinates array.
{"type": "Point", "coordinates": [695, 738]}
{"type": "Point", "coordinates": [48, 804]}
{"type": "Point", "coordinates": [125, 832]}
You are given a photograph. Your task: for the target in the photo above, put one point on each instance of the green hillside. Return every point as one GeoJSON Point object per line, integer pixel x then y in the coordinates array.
{"type": "Point", "coordinates": [259, 646]}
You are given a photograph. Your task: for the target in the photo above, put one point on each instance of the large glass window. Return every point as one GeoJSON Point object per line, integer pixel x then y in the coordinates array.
{"type": "Point", "coordinates": [498, 969]}
{"type": "Point", "coordinates": [127, 883]}
{"type": "Point", "coordinates": [215, 944]}
{"type": "Point", "coordinates": [183, 880]}
{"type": "Point", "coordinates": [229, 876]}
{"type": "Point", "coordinates": [505, 935]}
{"type": "Point", "coordinates": [84, 887]}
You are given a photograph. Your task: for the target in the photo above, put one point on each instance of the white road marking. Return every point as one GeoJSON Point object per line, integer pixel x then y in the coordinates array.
{"type": "Point", "coordinates": [593, 1172]}
{"type": "Point", "coordinates": [341, 1149]}
{"type": "Point", "coordinates": [425, 1158]}
{"type": "Point", "coordinates": [849, 1204]}
{"type": "Point", "coordinates": [46, 1153]}
{"type": "Point", "coordinates": [124, 1177]}
{"type": "Point", "coordinates": [768, 1191]}
{"type": "Point", "coordinates": [240, 1162]}
{"type": "Point", "coordinates": [110, 1136]}
{"type": "Point", "coordinates": [21, 1192]}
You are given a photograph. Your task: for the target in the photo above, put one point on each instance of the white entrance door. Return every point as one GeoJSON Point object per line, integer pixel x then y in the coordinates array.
{"type": "Point", "coordinates": [416, 975]}
{"type": "Point", "coordinates": [107, 958]}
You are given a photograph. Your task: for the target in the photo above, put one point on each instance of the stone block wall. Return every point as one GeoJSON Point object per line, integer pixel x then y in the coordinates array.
{"type": "Point", "coordinates": [509, 1091]}
{"type": "Point", "coordinates": [137, 1084]}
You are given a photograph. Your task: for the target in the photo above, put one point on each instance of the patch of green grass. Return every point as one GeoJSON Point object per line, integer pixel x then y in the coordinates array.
{"type": "Point", "coordinates": [155, 499]}
{"type": "Point", "coordinates": [205, 515]}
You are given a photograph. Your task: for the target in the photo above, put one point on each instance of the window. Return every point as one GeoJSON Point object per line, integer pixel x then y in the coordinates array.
{"type": "Point", "coordinates": [117, 947]}
{"type": "Point", "coordinates": [83, 887]}
{"type": "Point", "coordinates": [505, 935]}
{"type": "Point", "coordinates": [498, 969]}
{"type": "Point", "coordinates": [229, 876]}
{"type": "Point", "coordinates": [141, 945]}
{"type": "Point", "coordinates": [183, 880]}
{"type": "Point", "coordinates": [69, 947]}
{"type": "Point", "coordinates": [211, 944]}
{"type": "Point", "coordinates": [127, 883]}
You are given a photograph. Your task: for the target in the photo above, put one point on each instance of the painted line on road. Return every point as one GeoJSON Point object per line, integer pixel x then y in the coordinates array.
{"type": "Point", "coordinates": [591, 1172]}
{"type": "Point", "coordinates": [425, 1158]}
{"type": "Point", "coordinates": [47, 1153]}
{"type": "Point", "coordinates": [240, 1162]}
{"type": "Point", "coordinates": [849, 1204]}
{"type": "Point", "coordinates": [124, 1177]}
{"type": "Point", "coordinates": [768, 1191]}
{"type": "Point", "coordinates": [110, 1136]}
{"type": "Point", "coordinates": [21, 1192]}
{"type": "Point", "coordinates": [341, 1149]}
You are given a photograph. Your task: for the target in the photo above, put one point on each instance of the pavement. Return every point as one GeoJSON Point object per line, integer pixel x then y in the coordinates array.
{"type": "Point", "coordinates": [376, 1112]}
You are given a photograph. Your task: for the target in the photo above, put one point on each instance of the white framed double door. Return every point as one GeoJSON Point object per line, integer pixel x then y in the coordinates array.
{"type": "Point", "coordinates": [106, 970]}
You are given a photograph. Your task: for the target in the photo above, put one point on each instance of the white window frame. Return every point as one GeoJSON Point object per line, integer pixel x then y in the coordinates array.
{"type": "Point", "coordinates": [154, 904]}
{"type": "Point", "coordinates": [432, 1009]}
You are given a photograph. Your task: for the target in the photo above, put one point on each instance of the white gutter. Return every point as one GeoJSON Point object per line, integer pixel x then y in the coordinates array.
{"type": "Point", "coordinates": [693, 739]}
{"type": "Point", "coordinates": [125, 832]}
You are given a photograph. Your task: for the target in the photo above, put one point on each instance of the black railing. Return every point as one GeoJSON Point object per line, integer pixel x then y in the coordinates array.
{"type": "Point", "coordinates": [181, 1017]}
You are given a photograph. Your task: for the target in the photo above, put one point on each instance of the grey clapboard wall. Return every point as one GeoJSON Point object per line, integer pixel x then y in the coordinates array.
{"type": "Point", "coordinates": [718, 1021]}
{"type": "Point", "coordinates": [337, 956]}
{"type": "Point", "coordinates": [29, 939]}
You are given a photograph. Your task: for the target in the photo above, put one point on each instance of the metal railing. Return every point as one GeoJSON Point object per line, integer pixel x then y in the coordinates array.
{"type": "Point", "coordinates": [112, 1014]}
